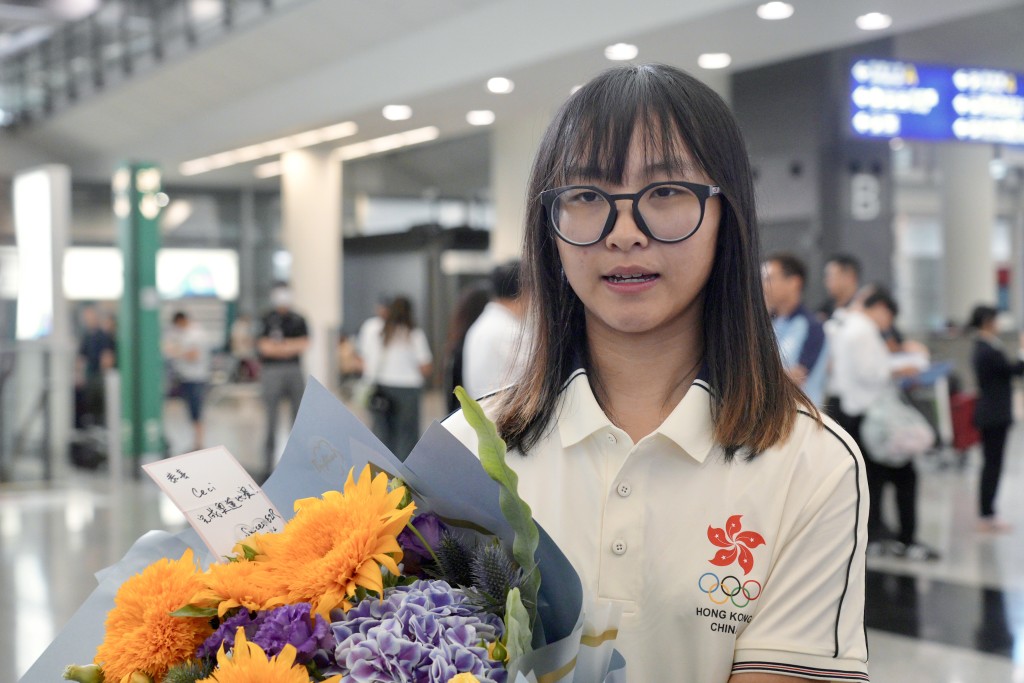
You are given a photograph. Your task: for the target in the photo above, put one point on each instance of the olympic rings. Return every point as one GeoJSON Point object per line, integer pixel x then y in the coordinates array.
{"type": "Point", "coordinates": [729, 590]}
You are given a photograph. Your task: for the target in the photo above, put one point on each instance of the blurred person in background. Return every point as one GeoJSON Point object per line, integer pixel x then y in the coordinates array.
{"type": "Point", "coordinates": [489, 360]}
{"type": "Point", "coordinates": [469, 307]}
{"type": "Point", "coordinates": [97, 353]}
{"type": "Point", "coordinates": [243, 348]}
{"type": "Point", "coordinates": [396, 363]}
{"type": "Point", "coordinates": [800, 334]}
{"type": "Point", "coordinates": [993, 412]}
{"type": "Point", "coordinates": [863, 370]}
{"type": "Point", "coordinates": [283, 339]}
{"type": "Point", "coordinates": [842, 281]}
{"type": "Point", "coordinates": [369, 332]}
{"type": "Point", "coordinates": [188, 349]}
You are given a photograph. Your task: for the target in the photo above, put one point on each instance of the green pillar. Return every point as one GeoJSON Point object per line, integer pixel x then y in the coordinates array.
{"type": "Point", "coordinates": [135, 189]}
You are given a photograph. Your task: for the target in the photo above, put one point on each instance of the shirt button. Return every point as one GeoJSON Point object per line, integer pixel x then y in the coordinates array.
{"type": "Point", "coordinates": [624, 489]}
{"type": "Point", "coordinates": [611, 438]}
{"type": "Point", "coordinates": [619, 547]}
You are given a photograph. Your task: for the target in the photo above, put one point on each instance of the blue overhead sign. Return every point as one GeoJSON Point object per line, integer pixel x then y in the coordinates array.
{"type": "Point", "coordinates": [890, 99]}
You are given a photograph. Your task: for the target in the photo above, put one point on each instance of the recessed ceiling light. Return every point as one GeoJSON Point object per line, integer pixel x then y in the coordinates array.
{"type": "Point", "coordinates": [397, 112]}
{"type": "Point", "coordinates": [620, 52]}
{"type": "Point", "coordinates": [480, 117]}
{"type": "Point", "coordinates": [500, 85]}
{"type": "Point", "coordinates": [714, 60]}
{"type": "Point", "coordinates": [874, 21]}
{"type": "Point", "coordinates": [773, 11]}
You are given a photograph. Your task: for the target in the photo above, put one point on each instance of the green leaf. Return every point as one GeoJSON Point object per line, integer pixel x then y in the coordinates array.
{"type": "Point", "coordinates": [195, 611]}
{"type": "Point", "coordinates": [517, 626]}
{"type": "Point", "coordinates": [516, 511]}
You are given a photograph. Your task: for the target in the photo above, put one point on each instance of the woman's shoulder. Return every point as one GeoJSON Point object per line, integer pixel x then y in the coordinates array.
{"type": "Point", "coordinates": [820, 443]}
{"type": "Point", "coordinates": [459, 426]}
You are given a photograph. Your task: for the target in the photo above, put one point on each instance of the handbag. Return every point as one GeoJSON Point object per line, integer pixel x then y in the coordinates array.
{"type": "Point", "coordinates": [378, 401]}
{"type": "Point", "coordinates": [893, 431]}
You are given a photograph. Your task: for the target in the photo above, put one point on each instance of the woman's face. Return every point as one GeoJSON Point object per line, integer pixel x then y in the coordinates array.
{"type": "Point", "coordinates": [631, 284]}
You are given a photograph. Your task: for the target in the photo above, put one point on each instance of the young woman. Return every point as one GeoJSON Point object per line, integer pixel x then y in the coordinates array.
{"type": "Point", "coordinates": [397, 363]}
{"type": "Point", "coordinates": [656, 435]}
{"type": "Point", "coordinates": [993, 413]}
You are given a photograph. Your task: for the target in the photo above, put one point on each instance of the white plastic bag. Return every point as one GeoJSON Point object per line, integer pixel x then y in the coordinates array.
{"type": "Point", "coordinates": [894, 432]}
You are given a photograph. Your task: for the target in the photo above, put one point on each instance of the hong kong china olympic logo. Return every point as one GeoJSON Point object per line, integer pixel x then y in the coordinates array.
{"type": "Point", "coordinates": [735, 546]}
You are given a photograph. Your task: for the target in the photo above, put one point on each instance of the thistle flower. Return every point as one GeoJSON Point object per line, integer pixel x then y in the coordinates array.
{"type": "Point", "coordinates": [189, 672]}
{"type": "Point", "coordinates": [494, 575]}
{"type": "Point", "coordinates": [454, 560]}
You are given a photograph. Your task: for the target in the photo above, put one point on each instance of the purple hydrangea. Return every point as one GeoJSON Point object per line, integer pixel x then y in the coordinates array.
{"type": "Point", "coordinates": [426, 632]}
{"type": "Point", "coordinates": [273, 629]}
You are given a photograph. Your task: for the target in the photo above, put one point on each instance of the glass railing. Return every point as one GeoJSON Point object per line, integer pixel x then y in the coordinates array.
{"type": "Point", "coordinates": [44, 71]}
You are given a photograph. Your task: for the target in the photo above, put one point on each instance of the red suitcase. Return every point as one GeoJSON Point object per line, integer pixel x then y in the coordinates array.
{"type": "Point", "coordinates": [965, 434]}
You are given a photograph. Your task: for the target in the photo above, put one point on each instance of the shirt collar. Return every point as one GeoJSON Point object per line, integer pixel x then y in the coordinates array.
{"type": "Point", "coordinates": [689, 425]}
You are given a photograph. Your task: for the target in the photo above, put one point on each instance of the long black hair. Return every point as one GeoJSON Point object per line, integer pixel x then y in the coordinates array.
{"type": "Point", "coordinates": [754, 400]}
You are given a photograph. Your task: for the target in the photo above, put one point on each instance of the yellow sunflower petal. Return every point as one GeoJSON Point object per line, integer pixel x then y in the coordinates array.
{"type": "Point", "coordinates": [141, 635]}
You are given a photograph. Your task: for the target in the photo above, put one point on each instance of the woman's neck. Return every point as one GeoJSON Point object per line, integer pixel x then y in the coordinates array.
{"type": "Point", "coordinates": [642, 378]}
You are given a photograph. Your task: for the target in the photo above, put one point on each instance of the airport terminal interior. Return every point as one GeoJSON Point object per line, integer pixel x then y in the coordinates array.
{"type": "Point", "coordinates": [188, 156]}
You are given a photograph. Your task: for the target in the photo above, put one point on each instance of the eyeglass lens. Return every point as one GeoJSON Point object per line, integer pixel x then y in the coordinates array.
{"type": "Point", "coordinates": [670, 212]}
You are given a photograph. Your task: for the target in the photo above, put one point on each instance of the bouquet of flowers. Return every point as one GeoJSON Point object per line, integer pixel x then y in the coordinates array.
{"type": "Point", "coordinates": [427, 570]}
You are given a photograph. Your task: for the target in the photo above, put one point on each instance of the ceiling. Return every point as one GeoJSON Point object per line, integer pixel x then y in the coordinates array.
{"type": "Point", "coordinates": [318, 62]}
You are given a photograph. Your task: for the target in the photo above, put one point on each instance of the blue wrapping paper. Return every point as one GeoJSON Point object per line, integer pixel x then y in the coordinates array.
{"type": "Point", "coordinates": [444, 477]}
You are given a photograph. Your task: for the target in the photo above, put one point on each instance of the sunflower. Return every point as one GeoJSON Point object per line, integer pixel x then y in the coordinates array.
{"type": "Point", "coordinates": [141, 634]}
{"type": "Point", "coordinates": [237, 584]}
{"type": "Point", "coordinates": [248, 663]}
{"type": "Point", "coordinates": [338, 543]}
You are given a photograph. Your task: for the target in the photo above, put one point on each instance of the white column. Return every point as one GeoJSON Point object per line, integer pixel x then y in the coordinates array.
{"type": "Point", "coordinates": [968, 214]}
{"type": "Point", "coordinates": [311, 232]}
{"type": "Point", "coordinates": [513, 146]}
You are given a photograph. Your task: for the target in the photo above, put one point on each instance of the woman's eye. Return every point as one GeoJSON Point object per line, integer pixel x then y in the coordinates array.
{"type": "Point", "coordinates": [665, 191]}
{"type": "Point", "coordinates": [584, 197]}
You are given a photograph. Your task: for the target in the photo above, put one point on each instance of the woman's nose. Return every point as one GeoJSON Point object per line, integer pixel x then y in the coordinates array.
{"type": "Point", "coordinates": [625, 233]}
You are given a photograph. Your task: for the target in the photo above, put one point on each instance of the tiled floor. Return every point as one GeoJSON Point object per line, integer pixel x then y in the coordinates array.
{"type": "Point", "coordinates": [957, 620]}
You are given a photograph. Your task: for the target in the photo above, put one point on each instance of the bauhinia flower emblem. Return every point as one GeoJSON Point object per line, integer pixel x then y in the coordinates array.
{"type": "Point", "coordinates": [735, 544]}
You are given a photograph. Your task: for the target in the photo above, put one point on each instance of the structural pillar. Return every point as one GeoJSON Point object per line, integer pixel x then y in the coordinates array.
{"type": "Point", "coordinates": [513, 146]}
{"type": "Point", "coordinates": [968, 214]}
{"type": "Point", "coordinates": [311, 232]}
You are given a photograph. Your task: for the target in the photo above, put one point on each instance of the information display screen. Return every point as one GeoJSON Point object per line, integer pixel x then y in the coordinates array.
{"type": "Point", "coordinates": [890, 99]}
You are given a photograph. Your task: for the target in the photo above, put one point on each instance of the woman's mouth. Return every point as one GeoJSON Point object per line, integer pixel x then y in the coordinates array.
{"type": "Point", "coordinates": [631, 278]}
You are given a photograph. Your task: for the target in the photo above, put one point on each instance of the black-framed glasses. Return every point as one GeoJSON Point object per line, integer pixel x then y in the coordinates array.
{"type": "Point", "coordinates": [669, 211]}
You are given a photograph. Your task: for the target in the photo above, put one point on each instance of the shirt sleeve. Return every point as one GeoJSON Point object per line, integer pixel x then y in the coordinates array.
{"type": "Point", "coordinates": [810, 618]}
{"type": "Point", "coordinates": [421, 348]}
{"type": "Point", "coordinates": [813, 344]}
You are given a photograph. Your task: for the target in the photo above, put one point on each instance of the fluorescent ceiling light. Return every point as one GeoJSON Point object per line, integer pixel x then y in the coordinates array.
{"type": "Point", "coordinates": [620, 52]}
{"type": "Point", "coordinates": [480, 117]}
{"type": "Point", "coordinates": [397, 112]}
{"type": "Point", "coordinates": [387, 143]}
{"type": "Point", "coordinates": [714, 60]}
{"type": "Point", "coordinates": [270, 148]}
{"type": "Point", "coordinates": [773, 11]}
{"type": "Point", "coordinates": [500, 85]}
{"type": "Point", "coordinates": [268, 170]}
{"type": "Point", "coordinates": [874, 21]}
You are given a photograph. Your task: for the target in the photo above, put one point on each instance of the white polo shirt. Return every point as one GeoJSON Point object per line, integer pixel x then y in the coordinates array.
{"type": "Point", "coordinates": [720, 568]}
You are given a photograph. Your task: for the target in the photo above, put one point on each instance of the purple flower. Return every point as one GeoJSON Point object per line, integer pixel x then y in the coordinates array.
{"type": "Point", "coordinates": [424, 632]}
{"type": "Point", "coordinates": [431, 527]}
{"type": "Point", "coordinates": [291, 624]}
{"type": "Point", "coordinates": [226, 632]}
{"type": "Point", "coordinates": [274, 629]}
